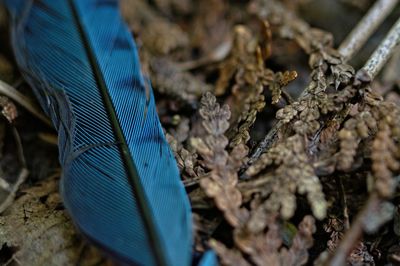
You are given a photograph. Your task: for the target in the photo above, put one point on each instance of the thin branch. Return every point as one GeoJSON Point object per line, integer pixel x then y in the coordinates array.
{"type": "Point", "coordinates": [50, 138]}
{"type": "Point", "coordinates": [287, 97]}
{"type": "Point", "coordinates": [215, 56]}
{"type": "Point", "coordinates": [352, 236]}
{"type": "Point", "coordinates": [365, 27]}
{"type": "Point", "coordinates": [22, 100]}
{"type": "Point", "coordinates": [23, 174]}
{"type": "Point", "coordinates": [378, 59]}
{"type": "Point", "coordinates": [343, 199]}
{"type": "Point", "coordinates": [374, 64]}
{"type": "Point", "coordinates": [12, 191]}
{"type": "Point", "coordinates": [381, 55]}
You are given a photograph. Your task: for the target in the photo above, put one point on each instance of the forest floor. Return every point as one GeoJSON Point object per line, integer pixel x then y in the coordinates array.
{"type": "Point", "coordinates": [286, 134]}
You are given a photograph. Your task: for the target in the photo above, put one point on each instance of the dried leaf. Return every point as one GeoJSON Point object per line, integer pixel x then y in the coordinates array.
{"type": "Point", "coordinates": [38, 232]}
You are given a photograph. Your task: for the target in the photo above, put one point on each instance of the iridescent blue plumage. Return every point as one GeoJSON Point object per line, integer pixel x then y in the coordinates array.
{"type": "Point", "coordinates": [120, 182]}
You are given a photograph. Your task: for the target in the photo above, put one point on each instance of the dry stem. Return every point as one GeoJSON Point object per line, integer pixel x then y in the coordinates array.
{"type": "Point", "coordinates": [25, 102]}
{"type": "Point", "coordinates": [353, 235]}
{"type": "Point", "coordinates": [380, 56]}
{"type": "Point", "coordinates": [367, 25]}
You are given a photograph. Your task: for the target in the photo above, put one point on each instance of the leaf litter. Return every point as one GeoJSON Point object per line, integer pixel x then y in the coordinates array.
{"type": "Point", "coordinates": [320, 188]}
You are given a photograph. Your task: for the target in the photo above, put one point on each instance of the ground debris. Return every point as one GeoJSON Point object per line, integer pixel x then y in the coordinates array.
{"type": "Point", "coordinates": [37, 231]}
{"type": "Point", "coordinates": [321, 188]}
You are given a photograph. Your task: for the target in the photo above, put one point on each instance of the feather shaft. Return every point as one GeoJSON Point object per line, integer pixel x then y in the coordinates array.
{"type": "Point", "coordinates": [120, 181]}
{"type": "Point", "coordinates": [125, 153]}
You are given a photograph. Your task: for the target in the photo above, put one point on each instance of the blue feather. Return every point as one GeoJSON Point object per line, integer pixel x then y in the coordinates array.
{"type": "Point", "coordinates": [208, 259]}
{"type": "Point", "coordinates": [120, 182]}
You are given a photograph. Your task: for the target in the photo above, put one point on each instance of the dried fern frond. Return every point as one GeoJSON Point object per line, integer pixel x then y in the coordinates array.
{"type": "Point", "coordinates": [384, 161]}
{"type": "Point", "coordinates": [291, 173]}
{"type": "Point", "coordinates": [221, 180]}
{"type": "Point", "coordinates": [158, 34]}
{"type": "Point", "coordinates": [360, 256]}
{"type": "Point", "coordinates": [335, 228]}
{"type": "Point", "coordinates": [228, 256]}
{"type": "Point", "coordinates": [267, 248]}
{"type": "Point", "coordinates": [186, 160]}
{"type": "Point", "coordinates": [377, 122]}
{"type": "Point", "coordinates": [163, 37]}
{"type": "Point", "coordinates": [297, 253]}
{"type": "Point", "coordinates": [355, 129]}
{"type": "Point", "coordinates": [245, 67]}
{"type": "Point", "coordinates": [281, 79]}
{"type": "Point", "coordinates": [385, 151]}
{"type": "Point", "coordinates": [329, 72]}
{"type": "Point", "coordinates": [169, 79]}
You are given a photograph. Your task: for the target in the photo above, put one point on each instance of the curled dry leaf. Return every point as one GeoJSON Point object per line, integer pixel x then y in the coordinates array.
{"type": "Point", "coordinates": [384, 162]}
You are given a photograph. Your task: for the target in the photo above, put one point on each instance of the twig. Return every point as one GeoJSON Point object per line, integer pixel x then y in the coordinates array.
{"type": "Point", "coordinates": [353, 235]}
{"type": "Point", "coordinates": [23, 174]}
{"type": "Point", "coordinates": [49, 138]}
{"type": "Point", "coordinates": [378, 59]}
{"type": "Point", "coordinates": [272, 136]}
{"type": "Point", "coordinates": [216, 55]}
{"type": "Point", "coordinates": [22, 100]}
{"type": "Point", "coordinates": [12, 261]}
{"type": "Point", "coordinates": [380, 56]}
{"type": "Point", "coordinates": [287, 97]}
{"type": "Point", "coordinates": [20, 149]}
{"type": "Point", "coordinates": [367, 25]}
{"type": "Point", "coordinates": [191, 182]}
{"type": "Point", "coordinates": [375, 63]}
{"type": "Point", "coordinates": [343, 199]}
